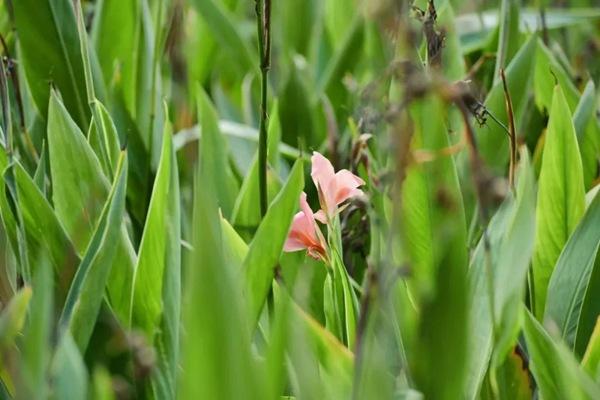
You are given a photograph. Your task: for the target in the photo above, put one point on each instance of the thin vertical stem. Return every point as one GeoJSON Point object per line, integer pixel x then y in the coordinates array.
{"type": "Point", "coordinates": [511, 132]}
{"type": "Point", "coordinates": [263, 27]}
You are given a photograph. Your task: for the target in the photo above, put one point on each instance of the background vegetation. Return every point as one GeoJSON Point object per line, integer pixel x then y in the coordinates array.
{"type": "Point", "coordinates": [146, 199]}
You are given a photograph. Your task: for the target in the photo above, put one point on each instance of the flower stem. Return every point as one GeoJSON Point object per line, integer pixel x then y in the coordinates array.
{"type": "Point", "coordinates": [263, 24]}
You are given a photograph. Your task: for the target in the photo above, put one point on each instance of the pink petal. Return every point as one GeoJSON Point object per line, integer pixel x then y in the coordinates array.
{"type": "Point", "coordinates": [322, 171]}
{"type": "Point", "coordinates": [305, 207]}
{"type": "Point", "coordinates": [347, 178]}
{"type": "Point", "coordinates": [346, 186]}
{"type": "Point", "coordinates": [321, 217]}
{"type": "Point", "coordinates": [293, 244]}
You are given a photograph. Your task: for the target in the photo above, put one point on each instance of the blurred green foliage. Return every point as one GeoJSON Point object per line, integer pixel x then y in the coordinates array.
{"type": "Point", "coordinates": [136, 261]}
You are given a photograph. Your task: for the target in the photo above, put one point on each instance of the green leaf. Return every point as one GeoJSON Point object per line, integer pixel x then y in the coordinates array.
{"type": "Point", "coordinates": [102, 385]}
{"type": "Point", "coordinates": [433, 233]}
{"type": "Point", "coordinates": [104, 139]}
{"type": "Point", "coordinates": [87, 290]}
{"type": "Point", "coordinates": [510, 234]}
{"type": "Point", "coordinates": [591, 359]}
{"type": "Point", "coordinates": [307, 335]}
{"type": "Point", "coordinates": [146, 299]}
{"type": "Point", "coordinates": [226, 32]}
{"type": "Point", "coordinates": [560, 201]}
{"type": "Point", "coordinates": [12, 317]}
{"type": "Point", "coordinates": [40, 172]}
{"type": "Point", "coordinates": [246, 213]}
{"type": "Point", "coordinates": [508, 33]}
{"type": "Point", "coordinates": [79, 196]}
{"type": "Point", "coordinates": [265, 249]}
{"type": "Point", "coordinates": [156, 292]}
{"type": "Point", "coordinates": [548, 70]}
{"type": "Point", "coordinates": [111, 50]}
{"type": "Point", "coordinates": [50, 52]}
{"type": "Point", "coordinates": [588, 133]}
{"type": "Point", "coordinates": [345, 58]}
{"type": "Point", "coordinates": [453, 62]}
{"type": "Point", "coordinates": [68, 372]}
{"type": "Point", "coordinates": [554, 368]}
{"type": "Point", "coordinates": [35, 347]}
{"type": "Point", "coordinates": [337, 360]}
{"type": "Point", "coordinates": [492, 138]}
{"type": "Point", "coordinates": [216, 335]}
{"type": "Point", "coordinates": [571, 277]}
{"type": "Point", "coordinates": [127, 63]}
{"type": "Point", "coordinates": [214, 154]}
{"type": "Point", "coordinates": [42, 227]}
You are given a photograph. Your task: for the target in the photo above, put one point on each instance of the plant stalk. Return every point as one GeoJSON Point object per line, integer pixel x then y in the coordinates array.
{"type": "Point", "coordinates": [263, 27]}
{"type": "Point", "coordinates": [511, 132]}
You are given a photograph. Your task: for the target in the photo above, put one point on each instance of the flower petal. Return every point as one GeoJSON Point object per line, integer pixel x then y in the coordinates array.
{"type": "Point", "coordinates": [305, 207]}
{"type": "Point", "coordinates": [346, 186]}
{"type": "Point", "coordinates": [321, 217]}
{"type": "Point", "coordinates": [322, 171]}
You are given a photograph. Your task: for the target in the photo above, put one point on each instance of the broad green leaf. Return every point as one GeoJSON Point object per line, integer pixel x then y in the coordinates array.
{"type": "Point", "coordinates": [68, 372]}
{"type": "Point", "coordinates": [560, 202]}
{"type": "Point", "coordinates": [13, 316]}
{"type": "Point", "coordinates": [508, 35]}
{"type": "Point", "coordinates": [146, 299]}
{"type": "Point", "coordinates": [50, 51]}
{"type": "Point", "coordinates": [87, 290]}
{"type": "Point", "coordinates": [474, 26]}
{"type": "Point", "coordinates": [587, 129]}
{"type": "Point", "coordinates": [590, 310]}
{"type": "Point", "coordinates": [336, 15]}
{"type": "Point", "coordinates": [265, 249]}
{"type": "Point", "coordinates": [548, 70]}
{"type": "Point", "coordinates": [139, 183]}
{"type": "Point", "coordinates": [510, 234]}
{"type": "Point", "coordinates": [492, 138]}
{"type": "Point", "coordinates": [433, 234]}
{"type": "Point", "coordinates": [216, 336]}
{"type": "Point", "coordinates": [44, 232]}
{"type": "Point", "coordinates": [571, 279]}
{"type": "Point", "coordinates": [278, 341]}
{"type": "Point", "coordinates": [334, 359]}
{"type": "Point", "coordinates": [127, 63]}
{"type": "Point", "coordinates": [214, 154]}
{"type": "Point", "coordinates": [516, 251]}
{"type": "Point", "coordinates": [156, 292]}
{"type": "Point", "coordinates": [35, 348]}
{"type": "Point", "coordinates": [332, 355]}
{"type": "Point", "coordinates": [290, 23]}
{"type": "Point", "coordinates": [104, 139]}
{"type": "Point", "coordinates": [453, 63]}
{"type": "Point", "coordinates": [591, 358]}
{"type": "Point", "coordinates": [79, 194]}
{"type": "Point", "coordinates": [116, 55]}
{"type": "Point", "coordinates": [514, 381]}
{"type": "Point", "coordinates": [346, 56]}
{"type": "Point", "coordinates": [246, 211]}
{"type": "Point", "coordinates": [102, 385]}
{"type": "Point", "coordinates": [40, 172]}
{"type": "Point", "coordinates": [226, 32]}
{"type": "Point", "coordinates": [554, 368]}
{"type": "Point", "coordinates": [297, 112]}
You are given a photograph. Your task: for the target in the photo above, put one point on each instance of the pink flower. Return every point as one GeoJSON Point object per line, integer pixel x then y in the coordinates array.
{"type": "Point", "coordinates": [304, 233]}
{"type": "Point", "coordinates": [334, 188]}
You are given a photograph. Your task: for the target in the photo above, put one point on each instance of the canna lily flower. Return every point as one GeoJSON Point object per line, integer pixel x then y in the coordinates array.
{"type": "Point", "coordinates": [304, 233]}
{"type": "Point", "coordinates": [334, 187]}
